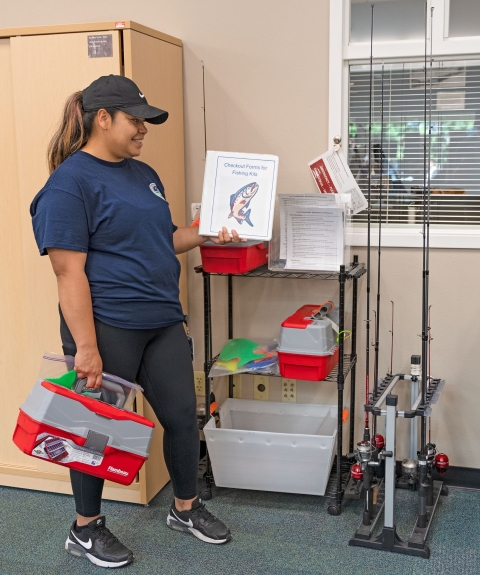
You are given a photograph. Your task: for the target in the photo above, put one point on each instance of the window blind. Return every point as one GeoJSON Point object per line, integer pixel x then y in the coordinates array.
{"type": "Point", "coordinates": [455, 141]}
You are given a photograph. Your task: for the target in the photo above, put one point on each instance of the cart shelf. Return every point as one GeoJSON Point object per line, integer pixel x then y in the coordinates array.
{"type": "Point", "coordinates": [354, 271]}
{"type": "Point", "coordinates": [345, 367]}
{"type": "Point", "coordinates": [348, 362]}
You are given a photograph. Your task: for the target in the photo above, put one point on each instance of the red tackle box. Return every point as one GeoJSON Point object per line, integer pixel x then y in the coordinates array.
{"type": "Point", "coordinates": [234, 258]}
{"type": "Point", "coordinates": [309, 367]}
{"type": "Point", "coordinates": [58, 425]}
{"type": "Point", "coordinates": [307, 347]}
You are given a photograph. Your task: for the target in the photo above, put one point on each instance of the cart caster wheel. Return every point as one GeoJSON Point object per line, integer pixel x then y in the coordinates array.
{"type": "Point", "coordinates": [206, 495]}
{"type": "Point", "coordinates": [334, 510]}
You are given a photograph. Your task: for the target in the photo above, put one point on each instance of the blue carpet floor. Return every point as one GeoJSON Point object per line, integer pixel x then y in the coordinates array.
{"type": "Point", "coordinates": [273, 534]}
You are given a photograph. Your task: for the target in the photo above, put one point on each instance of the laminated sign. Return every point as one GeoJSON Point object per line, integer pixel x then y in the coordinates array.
{"type": "Point", "coordinates": [333, 176]}
{"type": "Point", "coordinates": [239, 194]}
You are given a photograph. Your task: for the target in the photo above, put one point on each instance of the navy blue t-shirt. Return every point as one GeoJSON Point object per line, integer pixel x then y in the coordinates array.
{"type": "Point", "coordinates": [116, 213]}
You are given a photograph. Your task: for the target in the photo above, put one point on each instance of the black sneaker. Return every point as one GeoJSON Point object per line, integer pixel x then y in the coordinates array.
{"type": "Point", "coordinates": [199, 522]}
{"type": "Point", "coordinates": [99, 545]}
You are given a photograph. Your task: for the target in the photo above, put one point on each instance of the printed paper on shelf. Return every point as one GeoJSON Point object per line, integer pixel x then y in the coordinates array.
{"type": "Point", "coordinates": [299, 201]}
{"type": "Point", "coordinates": [239, 194]}
{"type": "Point", "coordinates": [333, 176]}
{"type": "Point", "coordinates": [315, 238]}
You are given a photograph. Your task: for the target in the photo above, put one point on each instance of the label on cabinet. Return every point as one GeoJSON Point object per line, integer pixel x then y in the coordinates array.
{"type": "Point", "coordinates": [100, 46]}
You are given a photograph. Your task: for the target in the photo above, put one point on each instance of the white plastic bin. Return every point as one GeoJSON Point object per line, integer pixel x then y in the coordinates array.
{"type": "Point", "coordinates": [271, 446]}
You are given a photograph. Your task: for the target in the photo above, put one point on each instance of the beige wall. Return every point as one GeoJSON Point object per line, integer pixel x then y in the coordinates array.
{"type": "Point", "coordinates": [266, 88]}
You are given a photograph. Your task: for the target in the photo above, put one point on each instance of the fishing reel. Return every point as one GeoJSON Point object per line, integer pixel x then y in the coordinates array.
{"type": "Point", "coordinates": [365, 452]}
{"type": "Point", "coordinates": [379, 441]}
{"type": "Point", "coordinates": [438, 460]}
{"type": "Point", "coordinates": [410, 471]}
{"type": "Point", "coordinates": [356, 472]}
{"type": "Point", "coordinates": [441, 463]}
{"type": "Point", "coordinates": [323, 310]}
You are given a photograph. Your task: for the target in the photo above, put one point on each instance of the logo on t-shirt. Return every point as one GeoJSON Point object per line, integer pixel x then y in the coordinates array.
{"type": "Point", "coordinates": [156, 191]}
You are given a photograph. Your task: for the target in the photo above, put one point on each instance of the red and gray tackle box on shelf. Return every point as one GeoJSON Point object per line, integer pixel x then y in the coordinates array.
{"type": "Point", "coordinates": [307, 346]}
{"type": "Point", "coordinates": [234, 258]}
{"type": "Point", "coordinates": [58, 425]}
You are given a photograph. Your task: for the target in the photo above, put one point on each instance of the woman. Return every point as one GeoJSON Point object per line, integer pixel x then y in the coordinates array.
{"type": "Point", "coordinates": [103, 220]}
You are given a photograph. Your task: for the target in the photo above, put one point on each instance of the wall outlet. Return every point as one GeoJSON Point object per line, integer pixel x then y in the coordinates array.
{"type": "Point", "coordinates": [237, 386]}
{"type": "Point", "coordinates": [193, 210]}
{"type": "Point", "coordinates": [289, 390]}
{"type": "Point", "coordinates": [199, 377]}
{"type": "Point", "coordinates": [261, 387]}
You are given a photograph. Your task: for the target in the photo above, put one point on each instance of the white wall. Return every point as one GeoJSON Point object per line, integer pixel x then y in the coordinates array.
{"type": "Point", "coordinates": [266, 91]}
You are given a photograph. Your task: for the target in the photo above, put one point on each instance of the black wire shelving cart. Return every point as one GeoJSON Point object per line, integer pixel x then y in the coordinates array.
{"type": "Point", "coordinates": [346, 363]}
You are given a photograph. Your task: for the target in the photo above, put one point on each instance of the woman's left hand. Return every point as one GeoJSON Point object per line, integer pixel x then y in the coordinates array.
{"type": "Point", "coordinates": [224, 237]}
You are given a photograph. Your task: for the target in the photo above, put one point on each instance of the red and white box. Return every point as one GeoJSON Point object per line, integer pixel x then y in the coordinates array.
{"type": "Point", "coordinates": [307, 346]}
{"type": "Point", "coordinates": [58, 425]}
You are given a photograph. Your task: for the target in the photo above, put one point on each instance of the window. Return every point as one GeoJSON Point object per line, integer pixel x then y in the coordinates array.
{"type": "Point", "coordinates": [464, 18]}
{"type": "Point", "coordinates": [399, 46]}
{"type": "Point", "coordinates": [396, 20]}
{"type": "Point", "coordinates": [455, 140]}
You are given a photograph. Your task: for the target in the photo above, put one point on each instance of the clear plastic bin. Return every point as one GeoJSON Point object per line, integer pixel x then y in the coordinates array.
{"type": "Point", "coordinates": [276, 255]}
{"type": "Point", "coordinates": [113, 390]}
{"type": "Point", "coordinates": [271, 446]}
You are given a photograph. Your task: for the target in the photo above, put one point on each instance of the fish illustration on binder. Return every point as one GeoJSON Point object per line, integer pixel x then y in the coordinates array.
{"type": "Point", "coordinates": [239, 202]}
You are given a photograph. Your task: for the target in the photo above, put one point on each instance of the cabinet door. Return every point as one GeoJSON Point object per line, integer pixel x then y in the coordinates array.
{"type": "Point", "coordinates": [38, 74]}
{"type": "Point", "coordinates": [13, 322]}
{"type": "Point", "coordinates": [156, 67]}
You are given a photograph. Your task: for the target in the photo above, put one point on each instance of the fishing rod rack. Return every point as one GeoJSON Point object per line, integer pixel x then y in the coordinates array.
{"type": "Point", "coordinates": [373, 477]}
{"type": "Point", "coordinates": [346, 365]}
{"type": "Point", "coordinates": [384, 403]}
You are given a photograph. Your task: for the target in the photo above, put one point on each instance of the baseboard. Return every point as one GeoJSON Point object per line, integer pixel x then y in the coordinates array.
{"type": "Point", "coordinates": [466, 477]}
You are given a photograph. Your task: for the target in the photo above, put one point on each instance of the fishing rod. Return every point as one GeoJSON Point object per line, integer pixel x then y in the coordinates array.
{"type": "Point", "coordinates": [379, 251]}
{"type": "Point", "coordinates": [429, 368]}
{"type": "Point", "coordinates": [366, 433]}
{"type": "Point", "coordinates": [204, 110]}
{"type": "Point", "coordinates": [426, 228]}
{"type": "Point", "coordinates": [391, 345]}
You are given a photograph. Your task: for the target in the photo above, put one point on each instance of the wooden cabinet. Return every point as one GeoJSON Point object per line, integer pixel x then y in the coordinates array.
{"type": "Point", "coordinates": [39, 69]}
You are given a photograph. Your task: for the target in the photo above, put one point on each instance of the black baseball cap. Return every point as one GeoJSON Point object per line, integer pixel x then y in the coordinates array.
{"type": "Point", "coordinates": [120, 93]}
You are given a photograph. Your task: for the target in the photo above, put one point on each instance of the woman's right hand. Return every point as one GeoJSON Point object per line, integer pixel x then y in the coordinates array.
{"type": "Point", "coordinates": [88, 363]}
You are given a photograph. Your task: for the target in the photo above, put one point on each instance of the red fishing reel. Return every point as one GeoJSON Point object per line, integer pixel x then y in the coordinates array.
{"type": "Point", "coordinates": [379, 441]}
{"type": "Point", "coordinates": [356, 472]}
{"type": "Point", "coordinates": [441, 463]}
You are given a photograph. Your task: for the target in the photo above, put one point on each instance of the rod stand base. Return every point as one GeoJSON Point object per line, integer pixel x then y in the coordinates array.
{"type": "Point", "coordinates": [388, 540]}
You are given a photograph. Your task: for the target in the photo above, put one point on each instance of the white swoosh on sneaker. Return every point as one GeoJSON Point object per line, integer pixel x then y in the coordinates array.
{"type": "Point", "coordinates": [189, 523]}
{"type": "Point", "coordinates": [86, 544]}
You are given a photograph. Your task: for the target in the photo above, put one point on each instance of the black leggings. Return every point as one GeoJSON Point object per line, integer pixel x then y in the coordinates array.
{"type": "Point", "coordinates": [159, 360]}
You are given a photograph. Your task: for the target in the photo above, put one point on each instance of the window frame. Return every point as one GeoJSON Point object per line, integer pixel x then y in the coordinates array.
{"type": "Point", "coordinates": [342, 54]}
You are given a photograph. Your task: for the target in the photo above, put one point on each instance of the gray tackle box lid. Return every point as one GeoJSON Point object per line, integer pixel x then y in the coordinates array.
{"type": "Point", "coordinates": [78, 415]}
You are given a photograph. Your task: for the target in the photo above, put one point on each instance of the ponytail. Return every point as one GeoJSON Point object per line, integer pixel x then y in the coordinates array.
{"type": "Point", "coordinates": [74, 131]}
